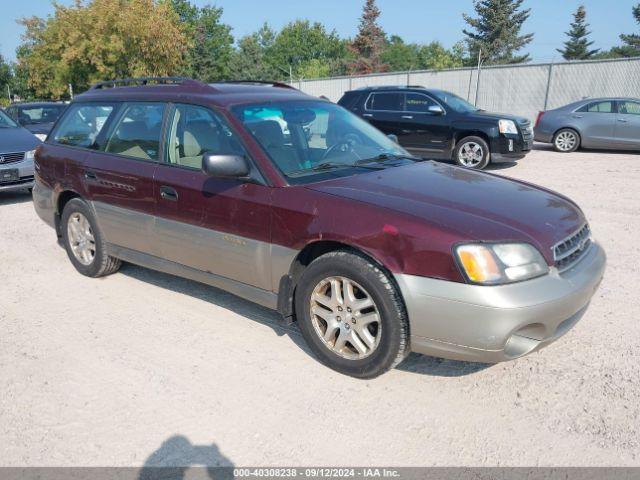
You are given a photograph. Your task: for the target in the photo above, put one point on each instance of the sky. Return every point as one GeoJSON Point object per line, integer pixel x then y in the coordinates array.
{"type": "Point", "coordinates": [419, 21]}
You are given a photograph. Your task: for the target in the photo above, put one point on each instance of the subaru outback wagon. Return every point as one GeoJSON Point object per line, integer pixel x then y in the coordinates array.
{"type": "Point", "coordinates": [301, 206]}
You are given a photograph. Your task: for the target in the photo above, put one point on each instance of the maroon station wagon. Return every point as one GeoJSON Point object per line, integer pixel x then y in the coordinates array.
{"type": "Point", "coordinates": [296, 204]}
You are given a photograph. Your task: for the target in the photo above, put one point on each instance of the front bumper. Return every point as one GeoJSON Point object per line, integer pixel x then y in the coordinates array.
{"type": "Point", "coordinates": [509, 147]}
{"type": "Point", "coordinates": [497, 323]}
{"type": "Point", "coordinates": [25, 172]}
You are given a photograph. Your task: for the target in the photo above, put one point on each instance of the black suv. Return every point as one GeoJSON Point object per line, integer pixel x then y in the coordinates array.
{"type": "Point", "coordinates": [437, 124]}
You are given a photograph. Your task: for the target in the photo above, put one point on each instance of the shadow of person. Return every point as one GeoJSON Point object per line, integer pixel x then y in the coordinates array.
{"type": "Point", "coordinates": [177, 455]}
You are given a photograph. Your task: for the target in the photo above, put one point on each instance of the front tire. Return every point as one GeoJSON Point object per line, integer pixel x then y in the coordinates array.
{"type": "Point", "coordinates": [351, 315]}
{"type": "Point", "coordinates": [472, 152]}
{"type": "Point", "coordinates": [566, 140]}
{"type": "Point", "coordinates": [84, 242]}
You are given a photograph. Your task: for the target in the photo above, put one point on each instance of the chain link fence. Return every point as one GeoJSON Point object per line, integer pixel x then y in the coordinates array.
{"type": "Point", "coordinates": [518, 89]}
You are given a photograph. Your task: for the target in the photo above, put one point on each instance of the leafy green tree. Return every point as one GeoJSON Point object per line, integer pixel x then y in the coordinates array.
{"type": "Point", "coordinates": [577, 47]}
{"type": "Point", "coordinates": [303, 46]}
{"type": "Point", "coordinates": [368, 45]}
{"type": "Point", "coordinates": [248, 60]}
{"type": "Point", "coordinates": [400, 56]}
{"type": "Point", "coordinates": [434, 56]}
{"type": "Point", "coordinates": [6, 78]}
{"type": "Point", "coordinates": [102, 39]}
{"type": "Point", "coordinates": [211, 42]}
{"type": "Point", "coordinates": [496, 31]}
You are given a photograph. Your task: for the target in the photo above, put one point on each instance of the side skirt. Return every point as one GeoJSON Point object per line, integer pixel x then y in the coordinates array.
{"type": "Point", "coordinates": [248, 292]}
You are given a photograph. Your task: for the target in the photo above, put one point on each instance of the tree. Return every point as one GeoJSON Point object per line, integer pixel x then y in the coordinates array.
{"type": "Point", "coordinates": [369, 42]}
{"type": "Point", "coordinates": [211, 42]}
{"type": "Point", "coordinates": [577, 47]}
{"type": "Point", "coordinates": [496, 31]}
{"type": "Point", "coordinates": [303, 46]}
{"type": "Point", "coordinates": [631, 47]}
{"type": "Point", "coordinates": [434, 56]}
{"type": "Point", "coordinates": [6, 78]}
{"type": "Point", "coordinates": [248, 61]}
{"type": "Point", "coordinates": [100, 40]}
{"type": "Point", "coordinates": [399, 56]}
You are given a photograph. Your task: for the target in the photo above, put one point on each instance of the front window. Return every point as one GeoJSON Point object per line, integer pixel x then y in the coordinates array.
{"type": "Point", "coordinates": [629, 108]}
{"type": "Point", "coordinates": [455, 102]}
{"type": "Point", "coordinates": [5, 121]}
{"type": "Point", "coordinates": [39, 114]}
{"type": "Point", "coordinates": [313, 138]}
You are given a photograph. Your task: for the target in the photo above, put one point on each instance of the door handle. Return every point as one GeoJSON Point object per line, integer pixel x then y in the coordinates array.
{"type": "Point", "coordinates": [168, 193]}
{"type": "Point", "coordinates": [90, 175]}
{"type": "Point", "coordinates": [367, 115]}
{"type": "Point", "coordinates": [408, 117]}
{"type": "Point", "coordinates": [623, 120]}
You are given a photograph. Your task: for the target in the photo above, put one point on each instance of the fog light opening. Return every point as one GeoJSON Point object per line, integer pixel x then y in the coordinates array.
{"type": "Point", "coordinates": [517, 346]}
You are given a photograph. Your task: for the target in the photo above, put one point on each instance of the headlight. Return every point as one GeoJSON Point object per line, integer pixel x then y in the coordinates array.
{"type": "Point", "coordinates": [507, 126]}
{"type": "Point", "coordinates": [41, 136]}
{"type": "Point", "coordinates": [496, 264]}
{"type": "Point", "coordinates": [30, 155]}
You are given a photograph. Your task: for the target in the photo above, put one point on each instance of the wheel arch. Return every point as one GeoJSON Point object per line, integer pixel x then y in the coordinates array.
{"type": "Point", "coordinates": [311, 251]}
{"type": "Point", "coordinates": [568, 127]}
{"type": "Point", "coordinates": [60, 201]}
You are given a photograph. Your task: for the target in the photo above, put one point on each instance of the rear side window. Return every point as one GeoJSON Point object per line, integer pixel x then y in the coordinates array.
{"type": "Point", "coordinates": [138, 131]}
{"type": "Point", "coordinates": [629, 108]}
{"type": "Point", "coordinates": [416, 102]}
{"type": "Point", "coordinates": [597, 107]}
{"type": "Point", "coordinates": [82, 125]}
{"type": "Point", "coordinates": [387, 101]}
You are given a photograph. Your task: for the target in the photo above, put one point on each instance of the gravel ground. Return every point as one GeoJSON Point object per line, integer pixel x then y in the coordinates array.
{"type": "Point", "coordinates": [145, 368]}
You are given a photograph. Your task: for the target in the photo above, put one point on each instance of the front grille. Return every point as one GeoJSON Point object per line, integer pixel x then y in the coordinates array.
{"type": "Point", "coordinates": [11, 157]}
{"type": "Point", "coordinates": [527, 130]}
{"type": "Point", "coordinates": [569, 251]}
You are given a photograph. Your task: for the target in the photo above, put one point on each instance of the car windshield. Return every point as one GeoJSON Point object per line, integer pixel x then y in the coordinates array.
{"type": "Point", "coordinates": [5, 121]}
{"type": "Point", "coordinates": [31, 115]}
{"type": "Point", "coordinates": [455, 102]}
{"type": "Point", "coordinates": [312, 137]}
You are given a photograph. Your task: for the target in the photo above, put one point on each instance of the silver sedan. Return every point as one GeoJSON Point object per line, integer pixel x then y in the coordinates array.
{"type": "Point", "coordinates": [608, 123]}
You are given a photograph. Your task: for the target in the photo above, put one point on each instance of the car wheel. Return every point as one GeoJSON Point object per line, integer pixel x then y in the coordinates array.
{"type": "Point", "coordinates": [351, 315]}
{"type": "Point", "coordinates": [472, 152]}
{"type": "Point", "coordinates": [566, 140]}
{"type": "Point", "coordinates": [84, 242]}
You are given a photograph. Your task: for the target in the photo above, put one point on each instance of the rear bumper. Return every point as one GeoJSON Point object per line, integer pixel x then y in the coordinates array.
{"type": "Point", "coordinates": [25, 172]}
{"type": "Point", "coordinates": [497, 323]}
{"type": "Point", "coordinates": [43, 203]}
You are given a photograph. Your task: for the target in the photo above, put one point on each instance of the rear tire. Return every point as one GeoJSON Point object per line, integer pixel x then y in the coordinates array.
{"type": "Point", "coordinates": [362, 329]}
{"type": "Point", "coordinates": [84, 241]}
{"type": "Point", "coordinates": [566, 140]}
{"type": "Point", "coordinates": [472, 152]}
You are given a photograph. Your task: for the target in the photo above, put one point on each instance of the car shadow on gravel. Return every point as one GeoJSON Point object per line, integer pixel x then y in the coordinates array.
{"type": "Point", "coordinates": [217, 297]}
{"type": "Point", "coordinates": [177, 455]}
{"type": "Point", "coordinates": [13, 198]}
{"type": "Point", "coordinates": [440, 367]}
{"type": "Point", "coordinates": [414, 363]}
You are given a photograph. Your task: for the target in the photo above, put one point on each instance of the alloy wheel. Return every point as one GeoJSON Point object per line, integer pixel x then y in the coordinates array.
{"type": "Point", "coordinates": [566, 141]}
{"type": "Point", "coordinates": [81, 239]}
{"type": "Point", "coordinates": [471, 154]}
{"type": "Point", "coordinates": [345, 318]}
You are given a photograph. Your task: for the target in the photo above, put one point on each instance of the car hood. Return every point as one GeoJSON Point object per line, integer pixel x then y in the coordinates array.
{"type": "Point", "coordinates": [17, 139]}
{"type": "Point", "coordinates": [474, 206]}
{"type": "Point", "coordinates": [484, 116]}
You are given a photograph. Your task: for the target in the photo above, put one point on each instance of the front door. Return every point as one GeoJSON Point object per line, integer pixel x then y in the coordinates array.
{"type": "Point", "coordinates": [597, 122]}
{"type": "Point", "coordinates": [628, 124]}
{"type": "Point", "coordinates": [216, 225]}
{"type": "Point", "coordinates": [428, 133]}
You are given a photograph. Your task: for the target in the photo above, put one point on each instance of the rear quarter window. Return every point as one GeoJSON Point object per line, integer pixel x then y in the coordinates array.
{"type": "Point", "coordinates": [82, 124]}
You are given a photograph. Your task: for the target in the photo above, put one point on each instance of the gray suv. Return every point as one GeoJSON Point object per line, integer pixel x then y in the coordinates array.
{"type": "Point", "coordinates": [17, 148]}
{"type": "Point", "coordinates": [607, 123]}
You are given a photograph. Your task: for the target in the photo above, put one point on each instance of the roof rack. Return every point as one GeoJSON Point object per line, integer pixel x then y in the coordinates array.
{"type": "Point", "coordinates": [261, 82]}
{"type": "Point", "coordinates": [382, 87]}
{"type": "Point", "coordinates": [124, 82]}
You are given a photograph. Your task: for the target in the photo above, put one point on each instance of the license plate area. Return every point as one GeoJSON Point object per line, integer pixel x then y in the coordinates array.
{"type": "Point", "coordinates": [9, 175]}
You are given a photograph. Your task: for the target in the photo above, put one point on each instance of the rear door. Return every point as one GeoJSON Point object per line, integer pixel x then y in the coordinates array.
{"type": "Point", "coordinates": [596, 121]}
{"type": "Point", "coordinates": [217, 225]}
{"type": "Point", "coordinates": [120, 176]}
{"type": "Point", "coordinates": [628, 124]}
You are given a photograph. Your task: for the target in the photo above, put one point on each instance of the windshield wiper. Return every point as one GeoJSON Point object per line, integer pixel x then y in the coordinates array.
{"type": "Point", "coordinates": [327, 166]}
{"type": "Point", "coordinates": [383, 157]}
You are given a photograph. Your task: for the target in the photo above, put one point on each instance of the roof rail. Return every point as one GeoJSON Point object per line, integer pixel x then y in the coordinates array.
{"type": "Point", "coordinates": [383, 87]}
{"type": "Point", "coordinates": [261, 82]}
{"type": "Point", "coordinates": [124, 82]}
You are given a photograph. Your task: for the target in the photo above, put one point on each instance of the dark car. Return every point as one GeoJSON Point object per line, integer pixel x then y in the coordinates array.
{"type": "Point", "coordinates": [297, 204]}
{"type": "Point", "coordinates": [440, 125]}
{"type": "Point", "coordinates": [37, 117]}
{"type": "Point", "coordinates": [17, 148]}
{"type": "Point", "coordinates": [607, 123]}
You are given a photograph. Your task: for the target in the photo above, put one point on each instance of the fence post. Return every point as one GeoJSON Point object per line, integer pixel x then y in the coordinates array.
{"type": "Point", "coordinates": [350, 82]}
{"type": "Point", "coordinates": [546, 94]}
{"type": "Point", "coordinates": [408, 78]}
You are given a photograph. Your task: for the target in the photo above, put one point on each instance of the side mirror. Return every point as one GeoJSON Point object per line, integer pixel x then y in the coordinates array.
{"type": "Point", "coordinates": [435, 109]}
{"type": "Point", "coordinates": [393, 138]}
{"type": "Point", "coordinates": [225, 166]}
